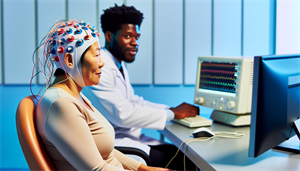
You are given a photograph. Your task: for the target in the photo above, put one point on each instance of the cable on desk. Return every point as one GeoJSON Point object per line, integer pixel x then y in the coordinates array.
{"type": "Point", "coordinates": [189, 140]}
{"type": "Point", "coordinates": [233, 135]}
{"type": "Point", "coordinates": [229, 134]}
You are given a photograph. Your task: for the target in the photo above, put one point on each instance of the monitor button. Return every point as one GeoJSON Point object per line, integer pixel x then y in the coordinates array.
{"type": "Point", "coordinates": [231, 104]}
{"type": "Point", "coordinates": [201, 100]}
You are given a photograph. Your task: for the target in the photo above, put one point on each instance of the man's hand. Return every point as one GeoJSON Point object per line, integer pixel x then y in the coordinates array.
{"type": "Point", "coordinates": [185, 110]}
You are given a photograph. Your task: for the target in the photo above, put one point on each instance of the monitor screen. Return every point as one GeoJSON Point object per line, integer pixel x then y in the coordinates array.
{"type": "Point", "coordinates": [275, 101]}
{"type": "Point", "coordinates": [224, 83]}
{"type": "Point", "coordinates": [219, 77]}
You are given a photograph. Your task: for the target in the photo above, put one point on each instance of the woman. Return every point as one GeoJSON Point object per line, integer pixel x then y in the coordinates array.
{"type": "Point", "coordinates": [75, 135]}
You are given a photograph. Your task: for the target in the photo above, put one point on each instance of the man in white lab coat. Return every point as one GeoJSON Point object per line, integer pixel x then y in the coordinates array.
{"type": "Point", "coordinates": [114, 96]}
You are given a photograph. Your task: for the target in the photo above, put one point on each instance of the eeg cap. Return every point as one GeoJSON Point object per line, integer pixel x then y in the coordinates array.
{"type": "Point", "coordinates": [72, 37]}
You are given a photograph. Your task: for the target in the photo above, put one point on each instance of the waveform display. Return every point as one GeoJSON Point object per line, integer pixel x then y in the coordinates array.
{"type": "Point", "coordinates": [218, 65]}
{"type": "Point", "coordinates": [219, 83]}
{"type": "Point", "coordinates": [218, 76]}
{"type": "Point", "coordinates": [217, 71]}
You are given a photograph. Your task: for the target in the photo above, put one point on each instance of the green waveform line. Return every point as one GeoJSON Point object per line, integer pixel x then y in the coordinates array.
{"type": "Point", "coordinates": [218, 83]}
{"type": "Point", "coordinates": [218, 77]}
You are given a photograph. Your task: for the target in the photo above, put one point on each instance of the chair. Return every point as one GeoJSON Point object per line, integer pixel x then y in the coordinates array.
{"type": "Point", "coordinates": [33, 149]}
{"type": "Point", "coordinates": [135, 151]}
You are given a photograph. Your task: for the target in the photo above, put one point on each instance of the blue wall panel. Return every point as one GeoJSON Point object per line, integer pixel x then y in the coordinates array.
{"type": "Point", "coordinates": [168, 46]}
{"type": "Point", "coordinates": [197, 36]}
{"type": "Point", "coordinates": [46, 21]}
{"type": "Point", "coordinates": [1, 43]}
{"type": "Point", "coordinates": [19, 37]}
{"type": "Point", "coordinates": [11, 155]}
{"type": "Point", "coordinates": [84, 10]}
{"type": "Point", "coordinates": [140, 71]}
{"type": "Point", "coordinates": [257, 27]}
{"type": "Point", "coordinates": [227, 27]}
{"type": "Point", "coordinates": [104, 4]}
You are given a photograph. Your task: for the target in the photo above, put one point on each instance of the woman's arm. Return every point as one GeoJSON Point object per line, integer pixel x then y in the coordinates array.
{"type": "Point", "coordinates": [131, 164]}
{"type": "Point", "coordinates": [149, 168]}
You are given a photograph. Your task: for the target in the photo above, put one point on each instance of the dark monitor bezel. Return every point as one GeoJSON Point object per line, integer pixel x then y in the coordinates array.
{"type": "Point", "coordinates": [260, 139]}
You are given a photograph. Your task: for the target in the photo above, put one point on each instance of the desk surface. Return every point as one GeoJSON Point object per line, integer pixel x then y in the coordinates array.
{"type": "Point", "coordinates": [228, 154]}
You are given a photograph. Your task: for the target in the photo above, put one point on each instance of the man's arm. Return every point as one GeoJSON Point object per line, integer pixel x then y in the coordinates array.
{"type": "Point", "coordinates": [185, 110]}
{"type": "Point", "coordinates": [109, 97]}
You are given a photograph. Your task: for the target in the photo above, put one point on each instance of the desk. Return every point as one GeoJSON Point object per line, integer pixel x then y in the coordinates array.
{"type": "Point", "coordinates": [228, 154]}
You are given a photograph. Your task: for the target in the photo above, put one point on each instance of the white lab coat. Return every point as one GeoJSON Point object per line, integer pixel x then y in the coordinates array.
{"type": "Point", "coordinates": [115, 99]}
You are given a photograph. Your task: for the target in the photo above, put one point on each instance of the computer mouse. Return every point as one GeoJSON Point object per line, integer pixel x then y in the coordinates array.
{"type": "Point", "coordinates": [203, 132]}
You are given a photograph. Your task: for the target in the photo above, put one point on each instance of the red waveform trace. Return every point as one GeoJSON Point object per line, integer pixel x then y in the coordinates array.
{"type": "Point", "coordinates": [217, 65]}
{"type": "Point", "coordinates": [217, 71]}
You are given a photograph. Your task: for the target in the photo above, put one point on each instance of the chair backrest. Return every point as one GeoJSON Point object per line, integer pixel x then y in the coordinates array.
{"type": "Point", "coordinates": [33, 149]}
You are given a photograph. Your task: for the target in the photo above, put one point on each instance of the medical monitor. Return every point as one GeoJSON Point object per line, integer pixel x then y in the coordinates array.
{"type": "Point", "coordinates": [275, 103]}
{"type": "Point", "coordinates": [224, 83]}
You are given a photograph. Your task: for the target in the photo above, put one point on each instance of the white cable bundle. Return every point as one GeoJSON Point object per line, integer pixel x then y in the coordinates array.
{"type": "Point", "coordinates": [217, 134]}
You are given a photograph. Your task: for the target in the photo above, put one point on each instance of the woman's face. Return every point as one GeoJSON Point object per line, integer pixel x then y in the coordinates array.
{"type": "Point", "coordinates": [91, 65]}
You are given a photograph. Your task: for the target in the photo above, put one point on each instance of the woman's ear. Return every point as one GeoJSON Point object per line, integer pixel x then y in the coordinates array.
{"type": "Point", "coordinates": [68, 60]}
{"type": "Point", "coordinates": [108, 36]}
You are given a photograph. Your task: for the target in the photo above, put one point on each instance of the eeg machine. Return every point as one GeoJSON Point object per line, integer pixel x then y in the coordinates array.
{"type": "Point", "coordinates": [225, 85]}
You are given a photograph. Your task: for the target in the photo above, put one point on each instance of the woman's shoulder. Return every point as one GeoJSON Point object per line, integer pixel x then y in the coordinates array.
{"type": "Point", "coordinates": [54, 103]}
{"type": "Point", "coordinates": [58, 103]}
{"type": "Point", "coordinates": [56, 96]}
{"type": "Point", "coordinates": [53, 94]}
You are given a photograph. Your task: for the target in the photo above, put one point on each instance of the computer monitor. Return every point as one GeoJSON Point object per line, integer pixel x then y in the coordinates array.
{"type": "Point", "coordinates": [225, 84]}
{"type": "Point", "coordinates": [275, 103]}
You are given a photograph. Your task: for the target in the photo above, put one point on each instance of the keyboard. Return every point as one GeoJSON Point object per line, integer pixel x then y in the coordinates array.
{"type": "Point", "coordinates": [196, 121]}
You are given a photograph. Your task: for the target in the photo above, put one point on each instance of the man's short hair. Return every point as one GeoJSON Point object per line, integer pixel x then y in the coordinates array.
{"type": "Point", "coordinates": [113, 17]}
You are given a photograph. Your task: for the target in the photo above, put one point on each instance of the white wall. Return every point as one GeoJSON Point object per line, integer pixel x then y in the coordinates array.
{"type": "Point", "coordinates": [143, 63]}
{"type": "Point", "coordinates": [227, 28]}
{"type": "Point", "coordinates": [19, 35]}
{"type": "Point", "coordinates": [168, 42]}
{"type": "Point", "coordinates": [288, 26]}
{"type": "Point", "coordinates": [197, 35]}
{"type": "Point", "coordinates": [259, 18]}
{"type": "Point", "coordinates": [45, 21]}
{"type": "Point", "coordinates": [174, 33]}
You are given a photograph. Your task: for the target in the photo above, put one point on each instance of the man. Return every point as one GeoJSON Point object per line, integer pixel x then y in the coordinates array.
{"type": "Point", "coordinates": [114, 96]}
